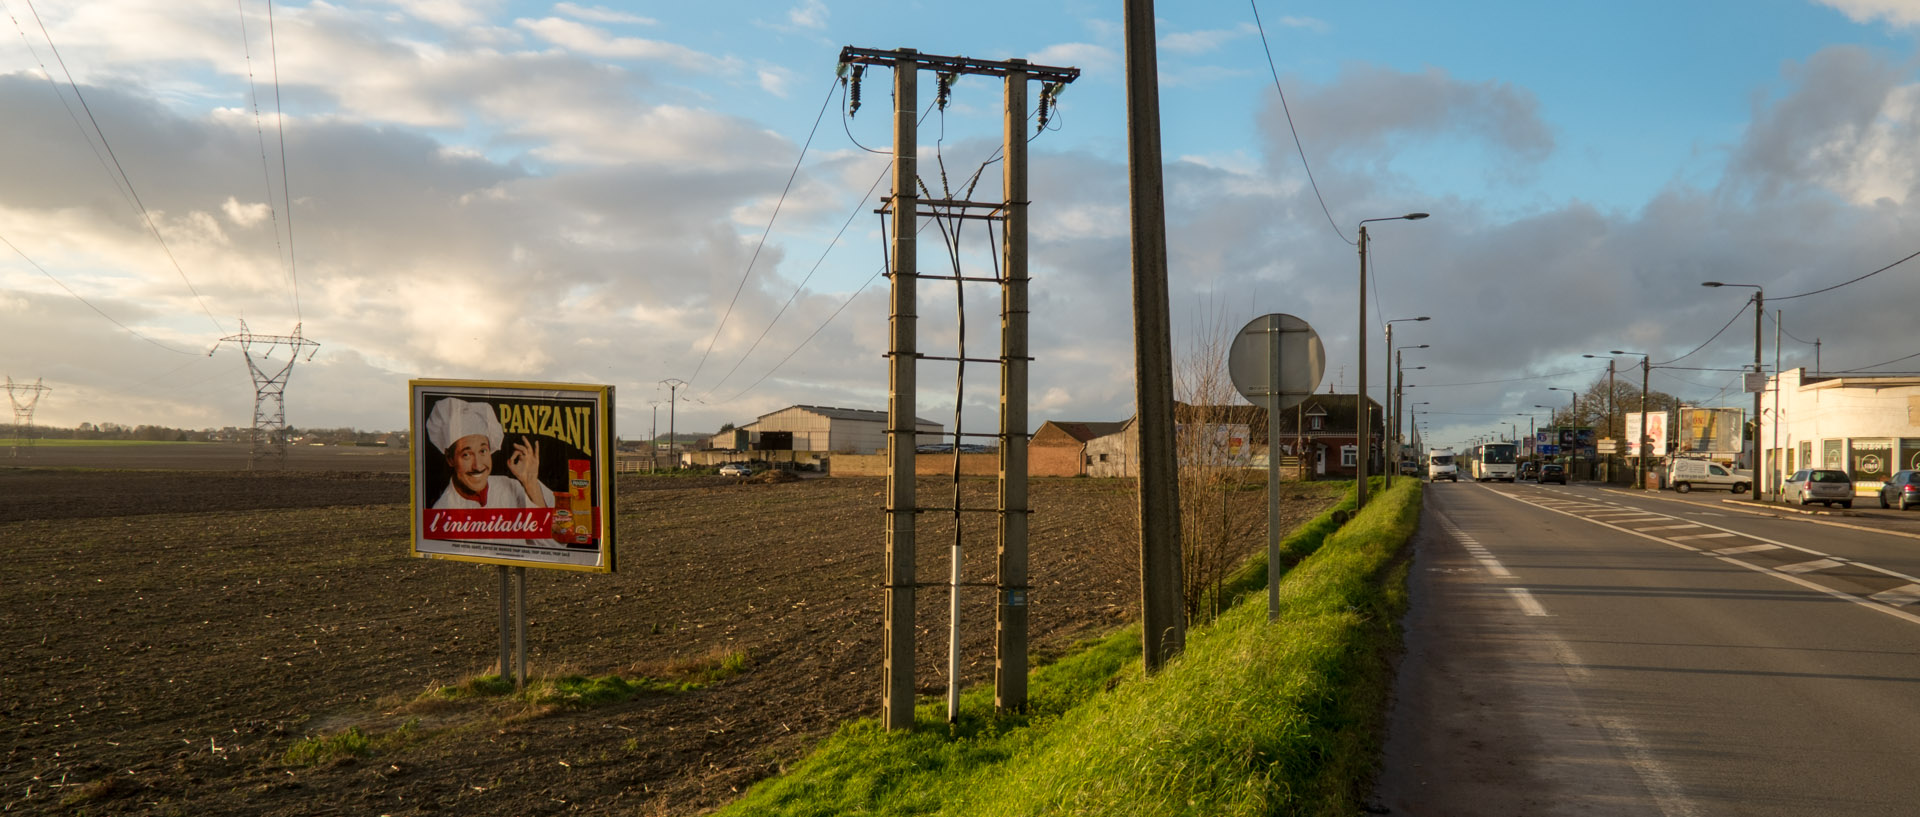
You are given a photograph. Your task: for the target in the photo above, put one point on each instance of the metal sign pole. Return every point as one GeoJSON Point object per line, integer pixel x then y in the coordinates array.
{"type": "Point", "coordinates": [520, 630]}
{"type": "Point", "coordinates": [1273, 474]}
{"type": "Point", "coordinates": [506, 618]}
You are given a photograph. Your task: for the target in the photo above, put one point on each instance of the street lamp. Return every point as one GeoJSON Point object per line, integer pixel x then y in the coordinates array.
{"type": "Point", "coordinates": [1392, 424]}
{"type": "Point", "coordinates": [1360, 403]}
{"type": "Point", "coordinates": [1398, 395]}
{"type": "Point", "coordinates": [1640, 476]}
{"type": "Point", "coordinates": [1759, 307]}
{"type": "Point", "coordinates": [1610, 434]}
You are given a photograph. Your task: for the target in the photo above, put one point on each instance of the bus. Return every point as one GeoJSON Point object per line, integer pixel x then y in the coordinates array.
{"type": "Point", "coordinates": [1491, 461]}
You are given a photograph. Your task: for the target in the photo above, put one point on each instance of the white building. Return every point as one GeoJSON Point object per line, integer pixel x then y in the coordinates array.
{"type": "Point", "coordinates": [1866, 425]}
{"type": "Point", "coordinates": [818, 428]}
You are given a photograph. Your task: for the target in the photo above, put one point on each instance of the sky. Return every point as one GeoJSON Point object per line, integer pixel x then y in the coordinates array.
{"type": "Point", "coordinates": [639, 194]}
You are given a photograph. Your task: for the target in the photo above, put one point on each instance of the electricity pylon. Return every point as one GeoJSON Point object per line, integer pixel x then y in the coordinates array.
{"type": "Point", "coordinates": [24, 398]}
{"type": "Point", "coordinates": [270, 389]}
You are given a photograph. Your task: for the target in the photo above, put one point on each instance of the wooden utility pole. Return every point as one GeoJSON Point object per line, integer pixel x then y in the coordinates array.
{"type": "Point", "coordinates": [1010, 617]}
{"type": "Point", "coordinates": [902, 325]}
{"type": "Point", "coordinates": [1163, 631]}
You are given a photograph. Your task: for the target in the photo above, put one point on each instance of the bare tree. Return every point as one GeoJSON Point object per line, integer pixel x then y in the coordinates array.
{"type": "Point", "coordinates": [1213, 440]}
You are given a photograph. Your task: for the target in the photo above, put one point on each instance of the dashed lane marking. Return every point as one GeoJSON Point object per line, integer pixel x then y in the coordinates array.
{"type": "Point", "coordinates": [1899, 596]}
{"type": "Point", "coordinates": [1735, 551]}
{"type": "Point", "coordinates": [1700, 536]}
{"type": "Point", "coordinates": [1671, 527]}
{"type": "Point", "coordinates": [1528, 604]}
{"type": "Point", "coordinates": [1810, 567]}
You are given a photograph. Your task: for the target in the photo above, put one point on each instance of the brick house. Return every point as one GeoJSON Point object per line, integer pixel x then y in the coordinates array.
{"type": "Point", "coordinates": [1321, 428]}
{"type": "Point", "coordinates": [1059, 448]}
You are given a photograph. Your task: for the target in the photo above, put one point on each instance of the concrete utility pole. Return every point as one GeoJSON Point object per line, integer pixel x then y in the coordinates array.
{"type": "Point", "coordinates": [270, 388]}
{"type": "Point", "coordinates": [673, 385]}
{"type": "Point", "coordinates": [904, 208]}
{"type": "Point", "coordinates": [1163, 631]}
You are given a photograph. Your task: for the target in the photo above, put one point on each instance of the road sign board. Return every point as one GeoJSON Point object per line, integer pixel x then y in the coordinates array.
{"type": "Point", "coordinates": [1276, 361]}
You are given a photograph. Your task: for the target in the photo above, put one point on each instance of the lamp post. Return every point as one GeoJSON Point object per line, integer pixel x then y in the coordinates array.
{"type": "Point", "coordinates": [1759, 309]}
{"type": "Point", "coordinates": [673, 385]}
{"type": "Point", "coordinates": [1360, 413]}
{"type": "Point", "coordinates": [1573, 409]}
{"type": "Point", "coordinates": [1640, 475]}
{"type": "Point", "coordinates": [1399, 381]}
{"type": "Point", "coordinates": [1609, 411]}
{"type": "Point", "coordinates": [1391, 409]}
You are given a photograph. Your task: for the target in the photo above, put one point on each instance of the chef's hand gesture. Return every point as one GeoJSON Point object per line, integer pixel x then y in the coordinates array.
{"type": "Point", "coordinates": [524, 464]}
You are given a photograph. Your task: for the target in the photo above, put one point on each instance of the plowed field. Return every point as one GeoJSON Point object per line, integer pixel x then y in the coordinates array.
{"type": "Point", "coordinates": [170, 635]}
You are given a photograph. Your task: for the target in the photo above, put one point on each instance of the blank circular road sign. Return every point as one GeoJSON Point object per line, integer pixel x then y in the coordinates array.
{"type": "Point", "coordinates": [1276, 357]}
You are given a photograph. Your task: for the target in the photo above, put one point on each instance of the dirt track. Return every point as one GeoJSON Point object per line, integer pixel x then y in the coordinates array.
{"type": "Point", "coordinates": [171, 635]}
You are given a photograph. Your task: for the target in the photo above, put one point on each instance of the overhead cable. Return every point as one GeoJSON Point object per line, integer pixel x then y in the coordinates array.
{"type": "Point", "coordinates": [1290, 128]}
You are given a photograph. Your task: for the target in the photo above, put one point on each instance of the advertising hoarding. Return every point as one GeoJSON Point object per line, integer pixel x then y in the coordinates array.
{"type": "Point", "coordinates": [1711, 430]}
{"type": "Point", "coordinates": [510, 473]}
{"type": "Point", "coordinates": [1656, 432]}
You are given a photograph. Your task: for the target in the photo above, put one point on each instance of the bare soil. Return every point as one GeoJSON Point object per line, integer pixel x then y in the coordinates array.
{"type": "Point", "coordinates": [171, 634]}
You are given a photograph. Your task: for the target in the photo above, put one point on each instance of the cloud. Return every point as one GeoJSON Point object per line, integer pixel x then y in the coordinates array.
{"type": "Point", "coordinates": [1849, 125]}
{"type": "Point", "coordinates": [1201, 42]}
{"type": "Point", "coordinates": [601, 14]}
{"type": "Point", "coordinates": [1896, 12]}
{"type": "Point", "coordinates": [595, 42]}
{"type": "Point", "coordinates": [1370, 108]}
{"type": "Point", "coordinates": [810, 14]}
{"type": "Point", "coordinates": [1087, 57]}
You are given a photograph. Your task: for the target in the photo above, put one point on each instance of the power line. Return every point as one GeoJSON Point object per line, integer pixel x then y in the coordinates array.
{"type": "Point", "coordinates": [764, 233]}
{"type": "Point", "coordinates": [1509, 380]}
{"type": "Point", "coordinates": [1736, 316]}
{"type": "Point", "coordinates": [1916, 254]}
{"type": "Point", "coordinates": [1877, 365]}
{"type": "Point", "coordinates": [286, 184]}
{"type": "Point", "coordinates": [117, 166]}
{"type": "Point", "coordinates": [76, 295]}
{"type": "Point", "coordinates": [253, 94]}
{"type": "Point", "coordinates": [1290, 128]}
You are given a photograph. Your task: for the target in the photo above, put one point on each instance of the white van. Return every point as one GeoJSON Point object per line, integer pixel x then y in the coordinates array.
{"type": "Point", "coordinates": [1440, 465]}
{"type": "Point", "coordinates": [1685, 475]}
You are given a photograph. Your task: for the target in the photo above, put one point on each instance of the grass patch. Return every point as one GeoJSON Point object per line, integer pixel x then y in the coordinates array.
{"type": "Point", "coordinates": [350, 742]}
{"type": "Point", "coordinates": [1255, 718]}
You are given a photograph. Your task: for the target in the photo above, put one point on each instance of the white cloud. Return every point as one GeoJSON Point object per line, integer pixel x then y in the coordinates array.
{"type": "Point", "coordinates": [774, 80]}
{"type": "Point", "coordinates": [246, 215]}
{"type": "Point", "coordinates": [601, 14]}
{"type": "Point", "coordinates": [450, 13]}
{"type": "Point", "coordinates": [1201, 42]}
{"type": "Point", "coordinates": [595, 42]}
{"type": "Point", "coordinates": [810, 14]}
{"type": "Point", "coordinates": [1895, 12]}
{"type": "Point", "coordinates": [1087, 57]}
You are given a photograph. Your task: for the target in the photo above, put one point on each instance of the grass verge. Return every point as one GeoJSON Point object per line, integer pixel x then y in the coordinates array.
{"type": "Point", "coordinates": [1255, 718]}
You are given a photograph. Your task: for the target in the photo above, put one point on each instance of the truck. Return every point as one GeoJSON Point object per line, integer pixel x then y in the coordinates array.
{"type": "Point", "coordinates": [1440, 465]}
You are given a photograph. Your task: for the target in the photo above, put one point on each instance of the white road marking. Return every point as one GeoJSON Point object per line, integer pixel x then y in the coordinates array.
{"type": "Point", "coordinates": [1783, 576]}
{"type": "Point", "coordinates": [1734, 551]}
{"type": "Point", "coordinates": [1809, 567]}
{"type": "Point", "coordinates": [1700, 536]}
{"type": "Point", "coordinates": [1660, 783]}
{"type": "Point", "coordinates": [1528, 604]}
{"type": "Point", "coordinates": [1899, 596]}
{"type": "Point", "coordinates": [1670, 527]}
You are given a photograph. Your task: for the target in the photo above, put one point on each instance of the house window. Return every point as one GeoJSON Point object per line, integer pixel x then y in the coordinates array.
{"type": "Point", "coordinates": [1349, 455]}
{"type": "Point", "coordinates": [1103, 458]}
{"type": "Point", "coordinates": [1316, 423]}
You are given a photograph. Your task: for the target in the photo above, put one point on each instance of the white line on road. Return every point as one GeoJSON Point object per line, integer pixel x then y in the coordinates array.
{"type": "Point", "coordinates": [1528, 604]}
{"type": "Point", "coordinates": [1700, 536]}
{"type": "Point", "coordinates": [1670, 527]}
{"type": "Point", "coordinates": [1809, 567]}
{"type": "Point", "coordinates": [1660, 783]}
{"type": "Point", "coordinates": [1735, 551]}
{"type": "Point", "coordinates": [1899, 596]}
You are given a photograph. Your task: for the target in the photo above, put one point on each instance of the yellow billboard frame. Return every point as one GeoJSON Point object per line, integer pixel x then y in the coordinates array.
{"type": "Point", "coordinates": [600, 398]}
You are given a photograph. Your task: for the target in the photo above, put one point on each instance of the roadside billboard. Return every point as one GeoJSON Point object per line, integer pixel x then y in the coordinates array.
{"type": "Point", "coordinates": [1711, 431]}
{"type": "Point", "coordinates": [1656, 425]}
{"type": "Point", "coordinates": [509, 473]}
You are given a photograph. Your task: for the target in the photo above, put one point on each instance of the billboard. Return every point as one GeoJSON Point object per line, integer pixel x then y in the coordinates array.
{"type": "Point", "coordinates": [1656, 432]}
{"type": "Point", "coordinates": [510, 473]}
{"type": "Point", "coordinates": [1711, 430]}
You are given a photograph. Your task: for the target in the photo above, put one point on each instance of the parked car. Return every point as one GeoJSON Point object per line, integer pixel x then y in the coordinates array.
{"type": "Point", "coordinates": [1826, 486]}
{"type": "Point", "coordinates": [1553, 472]}
{"type": "Point", "coordinates": [1685, 475]}
{"type": "Point", "coordinates": [1902, 491]}
{"type": "Point", "coordinates": [736, 469]}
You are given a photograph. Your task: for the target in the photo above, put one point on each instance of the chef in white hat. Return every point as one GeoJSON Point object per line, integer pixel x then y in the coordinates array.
{"type": "Point", "coordinates": [468, 433]}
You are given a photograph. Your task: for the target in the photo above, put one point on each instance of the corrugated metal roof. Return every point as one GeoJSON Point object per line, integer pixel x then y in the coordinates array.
{"type": "Point", "coordinates": [832, 413]}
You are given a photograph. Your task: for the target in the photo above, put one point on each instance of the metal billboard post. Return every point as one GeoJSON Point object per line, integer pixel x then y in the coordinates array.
{"type": "Point", "coordinates": [1277, 358]}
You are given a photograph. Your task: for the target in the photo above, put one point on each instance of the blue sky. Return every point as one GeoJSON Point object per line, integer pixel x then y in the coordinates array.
{"type": "Point", "coordinates": [573, 192]}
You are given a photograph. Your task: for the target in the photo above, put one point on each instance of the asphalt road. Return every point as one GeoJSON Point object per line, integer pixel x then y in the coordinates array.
{"type": "Point", "coordinates": [1580, 650]}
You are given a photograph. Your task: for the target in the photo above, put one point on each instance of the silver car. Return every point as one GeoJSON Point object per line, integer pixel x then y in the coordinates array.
{"type": "Point", "coordinates": [1824, 485]}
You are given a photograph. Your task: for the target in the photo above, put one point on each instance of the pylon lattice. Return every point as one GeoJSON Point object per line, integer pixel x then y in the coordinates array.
{"type": "Point", "coordinates": [270, 389]}
{"type": "Point", "coordinates": [24, 398]}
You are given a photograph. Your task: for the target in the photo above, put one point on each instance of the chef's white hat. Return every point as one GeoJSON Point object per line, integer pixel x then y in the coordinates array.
{"type": "Point", "coordinates": [453, 418]}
